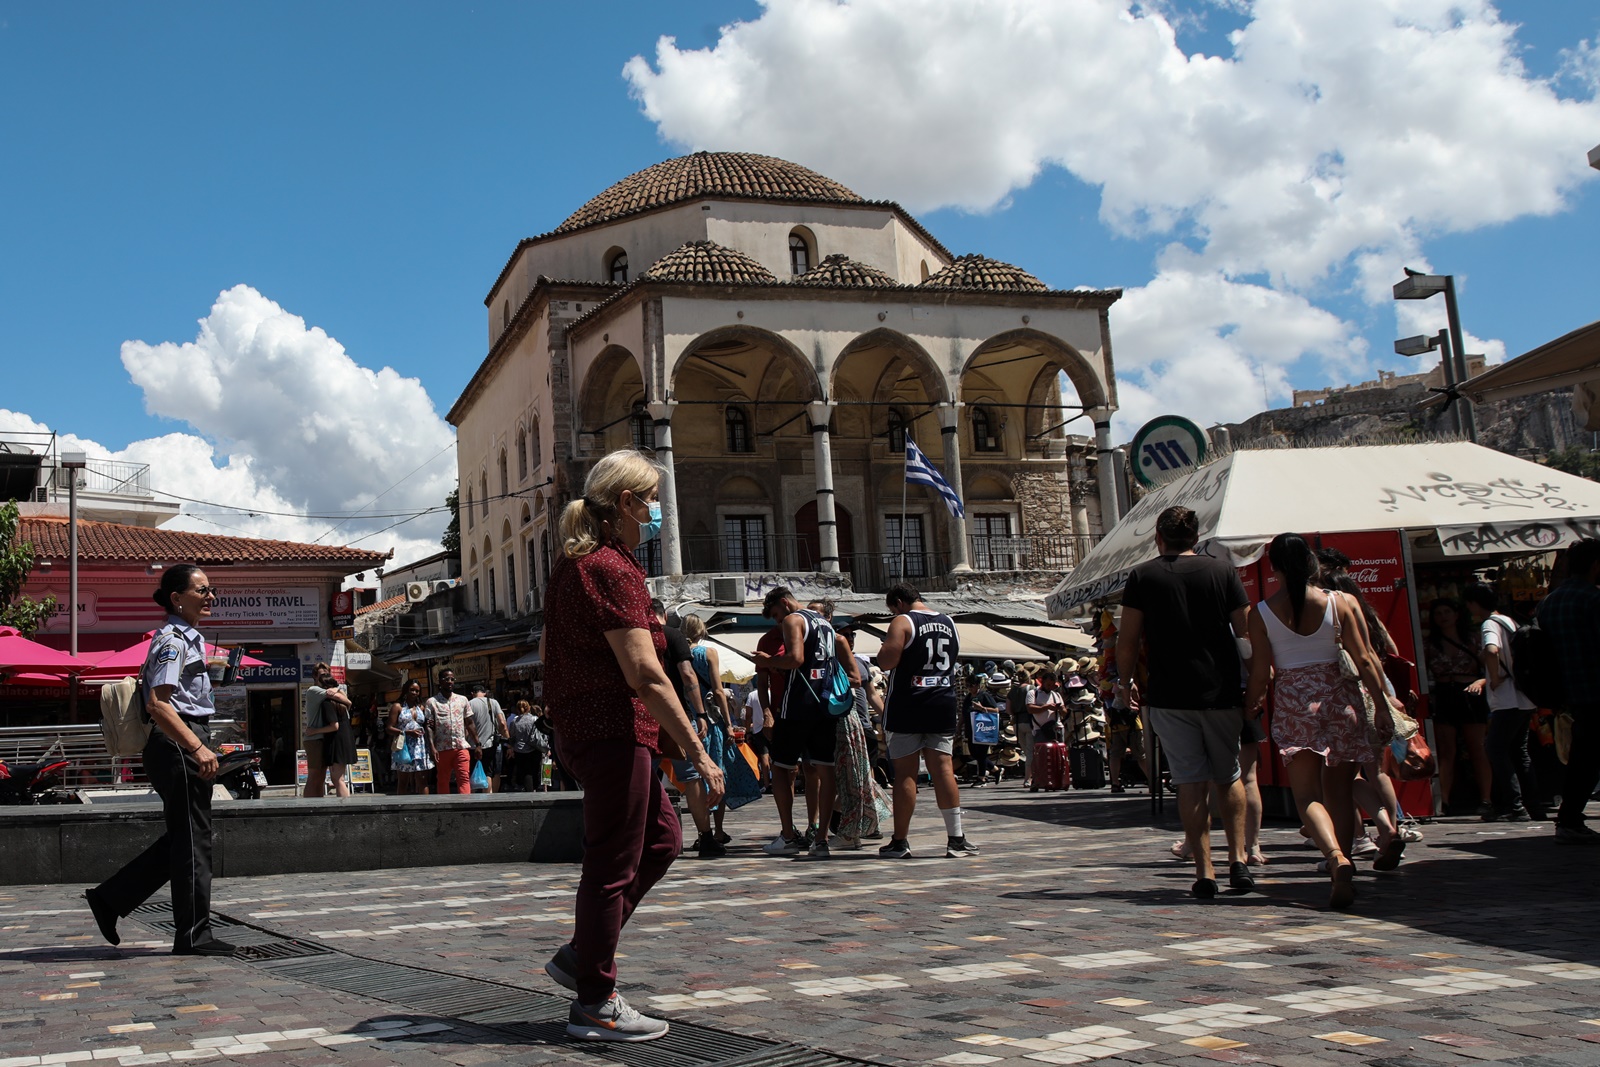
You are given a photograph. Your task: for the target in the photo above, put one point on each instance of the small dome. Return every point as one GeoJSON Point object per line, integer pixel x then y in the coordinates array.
{"type": "Point", "coordinates": [981, 272]}
{"type": "Point", "coordinates": [842, 270]}
{"type": "Point", "coordinates": [734, 175]}
{"type": "Point", "coordinates": [707, 261]}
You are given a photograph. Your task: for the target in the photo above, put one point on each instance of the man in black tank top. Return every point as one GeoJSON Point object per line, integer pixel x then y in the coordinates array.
{"type": "Point", "coordinates": [921, 651]}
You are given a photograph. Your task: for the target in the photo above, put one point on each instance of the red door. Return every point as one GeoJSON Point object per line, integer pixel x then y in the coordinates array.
{"type": "Point", "coordinates": [805, 527]}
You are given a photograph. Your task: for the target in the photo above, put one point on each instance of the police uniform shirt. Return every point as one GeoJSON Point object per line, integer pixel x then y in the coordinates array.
{"type": "Point", "coordinates": [178, 658]}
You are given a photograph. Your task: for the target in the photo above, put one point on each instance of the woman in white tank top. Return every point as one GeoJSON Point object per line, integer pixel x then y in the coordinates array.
{"type": "Point", "coordinates": [1318, 720]}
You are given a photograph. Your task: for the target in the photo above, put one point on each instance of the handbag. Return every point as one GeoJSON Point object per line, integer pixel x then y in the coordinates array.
{"type": "Point", "coordinates": [1411, 759]}
{"type": "Point", "coordinates": [1380, 729]}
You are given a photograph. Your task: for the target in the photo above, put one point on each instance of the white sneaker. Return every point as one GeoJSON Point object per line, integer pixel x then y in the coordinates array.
{"type": "Point", "coordinates": [782, 846]}
{"type": "Point", "coordinates": [612, 1021]}
{"type": "Point", "coordinates": [844, 843]}
{"type": "Point", "coordinates": [1363, 848]}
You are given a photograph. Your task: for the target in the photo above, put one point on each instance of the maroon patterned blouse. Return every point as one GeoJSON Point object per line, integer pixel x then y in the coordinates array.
{"type": "Point", "coordinates": [584, 689]}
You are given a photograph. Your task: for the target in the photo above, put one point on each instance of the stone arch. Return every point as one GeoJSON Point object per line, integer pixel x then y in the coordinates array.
{"type": "Point", "coordinates": [615, 381]}
{"type": "Point", "coordinates": [909, 352]}
{"type": "Point", "coordinates": [1081, 371]}
{"type": "Point", "coordinates": [1044, 395]}
{"type": "Point", "coordinates": [727, 343]}
{"type": "Point", "coordinates": [893, 373]}
{"type": "Point", "coordinates": [989, 485]}
{"type": "Point", "coordinates": [527, 515]}
{"type": "Point", "coordinates": [505, 530]}
{"type": "Point", "coordinates": [741, 488]}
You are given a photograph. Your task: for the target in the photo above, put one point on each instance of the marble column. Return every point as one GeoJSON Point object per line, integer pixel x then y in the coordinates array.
{"type": "Point", "coordinates": [950, 430]}
{"type": "Point", "coordinates": [1105, 469]}
{"type": "Point", "coordinates": [671, 541]}
{"type": "Point", "coordinates": [821, 414]}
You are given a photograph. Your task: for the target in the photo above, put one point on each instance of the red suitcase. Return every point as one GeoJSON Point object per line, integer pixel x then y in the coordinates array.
{"type": "Point", "coordinates": [1050, 766]}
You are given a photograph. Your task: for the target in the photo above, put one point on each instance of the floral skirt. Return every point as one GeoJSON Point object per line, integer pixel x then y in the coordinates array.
{"type": "Point", "coordinates": [1317, 709]}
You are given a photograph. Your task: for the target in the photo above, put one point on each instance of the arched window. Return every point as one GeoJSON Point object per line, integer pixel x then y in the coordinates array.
{"type": "Point", "coordinates": [535, 449]}
{"type": "Point", "coordinates": [799, 254]}
{"type": "Point", "coordinates": [468, 509]}
{"type": "Point", "coordinates": [737, 424]}
{"type": "Point", "coordinates": [985, 434]}
{"type": "Point", "coordinates": [522, 454]}
{"type": "Point", "coordinates": [505, 314]}
{"type": "Point", "coordinates": [643, 428]}
{"type": "Point", "coordinates": [483, 493]}
{"type": "Point", "coordinates": [617, 268]}
{"type": "Point", "coordinates": [897, 431]}
{"type": "Point", "coordinates": [924, 270]}
{"type": "Point", "coordinates": [505, 478]}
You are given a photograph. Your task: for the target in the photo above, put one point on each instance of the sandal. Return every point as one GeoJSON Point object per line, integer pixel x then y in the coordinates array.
{"type": "Point", "coordinates": [1389, 857]}
{"type": "Point", "coordinates": [1344, 882]}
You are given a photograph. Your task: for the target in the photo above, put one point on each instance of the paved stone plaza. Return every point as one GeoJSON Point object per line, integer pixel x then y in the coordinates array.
{"type": "Point", "coordinates": [1070, 940]}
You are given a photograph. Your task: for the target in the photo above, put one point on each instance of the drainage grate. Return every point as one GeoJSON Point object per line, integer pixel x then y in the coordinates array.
{"type": "Point", "coordinates": [527, 1015]}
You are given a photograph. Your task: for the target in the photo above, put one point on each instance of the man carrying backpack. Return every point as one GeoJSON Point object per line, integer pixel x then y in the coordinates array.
{"type": "Point", "coordinates": [806, 729]}
{"type": "Point", "coordinates": [1571, 615]}
{"type": "Point", "coordinates": [1515, 793]}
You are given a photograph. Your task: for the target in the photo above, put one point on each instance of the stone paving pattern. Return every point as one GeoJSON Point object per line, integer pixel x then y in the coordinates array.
{"type": "Point", "coordinates": [1071, 939]}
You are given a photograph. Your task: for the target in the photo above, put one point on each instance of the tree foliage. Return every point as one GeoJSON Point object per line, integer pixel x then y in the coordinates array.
{"type": "Point", "coordinates": [452, 533]}
{"type": "Point", "coordinates": [1575, 460]}
{"type": "Point", "coordinates": [16, 563]}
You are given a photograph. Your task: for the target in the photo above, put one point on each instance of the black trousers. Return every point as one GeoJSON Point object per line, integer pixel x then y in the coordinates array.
{"type": "Point", "coordinates": [1583, 766]}
{"type": "Point", "coordinates": [181, 855]}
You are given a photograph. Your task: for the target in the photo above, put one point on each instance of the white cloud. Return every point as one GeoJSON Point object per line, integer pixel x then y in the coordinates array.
{"type": "Point", "coordinates": [1322, 152]}
{"type": "Point", "coordinates": [287, 422]}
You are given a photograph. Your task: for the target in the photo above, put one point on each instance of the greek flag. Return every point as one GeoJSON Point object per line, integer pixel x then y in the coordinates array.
{"type": "Point", "coordinates": [920, 472]}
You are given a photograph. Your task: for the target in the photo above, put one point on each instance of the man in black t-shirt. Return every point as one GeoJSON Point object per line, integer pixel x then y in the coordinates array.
{"type": "Point", "coordinates": [1188, 613]}
{"type": "Point", "coordinates": [680, 671]}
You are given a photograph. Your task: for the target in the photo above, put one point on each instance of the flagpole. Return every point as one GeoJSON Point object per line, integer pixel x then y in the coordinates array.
{"type": "Point", "coordinates": [905, 481]}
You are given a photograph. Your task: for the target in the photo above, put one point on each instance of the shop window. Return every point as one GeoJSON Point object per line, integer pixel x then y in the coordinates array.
{"type": "Point", "coordinates": [737, 424]}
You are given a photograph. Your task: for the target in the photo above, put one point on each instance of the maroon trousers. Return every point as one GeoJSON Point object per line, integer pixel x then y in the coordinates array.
{"type": "Point", "coordinates": [631, 836]}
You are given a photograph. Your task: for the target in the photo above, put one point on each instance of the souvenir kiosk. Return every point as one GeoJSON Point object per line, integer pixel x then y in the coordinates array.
{"type": "Point", "coordinates": [1418, 521]}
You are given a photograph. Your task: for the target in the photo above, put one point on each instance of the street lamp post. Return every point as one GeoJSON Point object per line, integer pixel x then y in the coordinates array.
{"type": "Point", "coordinates": [72, 463]}
{"type": "Point", "coordinates": [1421, 345]}
{"type": "Point", "coordinates": [1419, 286]}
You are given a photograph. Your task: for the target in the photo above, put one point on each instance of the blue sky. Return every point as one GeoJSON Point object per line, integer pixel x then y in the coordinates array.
{"type": "Point", "coordinates": [368, 167]}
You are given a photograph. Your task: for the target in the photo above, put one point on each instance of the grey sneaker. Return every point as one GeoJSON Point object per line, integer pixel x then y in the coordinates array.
{"type": "Point", "coordinates": [819, 849]}
{"type": "Point", "coordinates": [612, 1021]}
{"type": "Point", "coordinates": [897, 849]}
{"type": "Point", "coordinates": [563, 967]}
{"type": "Point", "coordinates": [782, 846]}
{"type": "Point", "coordinates": [959, 846]}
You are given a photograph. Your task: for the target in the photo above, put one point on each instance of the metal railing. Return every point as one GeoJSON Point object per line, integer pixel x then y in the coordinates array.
{"type": "Point", "coordinates": [108, 476]}
{"type": "Point", "coordinates": [874, 572]}
{"type": "Point", "coordinates": [748, 555]}
{"type": "Point", "coordinates": [1028, 553]}
{"type": "Point", "coordinates": [83, 744]}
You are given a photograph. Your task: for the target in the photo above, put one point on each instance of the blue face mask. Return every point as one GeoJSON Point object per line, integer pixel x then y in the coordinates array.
{"type": "Point", "coordinates": [650, 531]}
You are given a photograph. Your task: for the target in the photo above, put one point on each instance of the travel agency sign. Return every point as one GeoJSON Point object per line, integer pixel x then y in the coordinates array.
{"type": "Point", "coordinates": [1164, 448]}
{"type": "Point", "coordinates": [281, 608]}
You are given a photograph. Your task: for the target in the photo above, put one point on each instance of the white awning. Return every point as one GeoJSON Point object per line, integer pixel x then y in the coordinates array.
{"type": "Point", "coordinates": [520, 667]}
{"type": "Point", "coordinates": [743, 641]}
{"type": "Point", "coordinates": [737, 669]}
{"type": "Point", "coordinates": [1062, 635]}
{"type": "Point", "coordinates": [1245, 499]}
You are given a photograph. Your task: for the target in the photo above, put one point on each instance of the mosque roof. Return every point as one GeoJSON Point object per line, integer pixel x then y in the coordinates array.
{"type": "Point", "coordinates": [707, 261]}
{"type": "Point", "coordinates": [841, 270]}
{"type": "Point", "coordinates": [990, 275]}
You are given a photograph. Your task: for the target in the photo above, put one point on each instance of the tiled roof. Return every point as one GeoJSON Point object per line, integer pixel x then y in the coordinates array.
{"type": "Point", "coordinates": [841, 270]}
{"type": "Point", "coordinates": [707, 261]}
{"type": "Point", "coordinates": [981, 272]}
{"type": "Point", "coordinates": [383, 605]}
{"type": "Point", "coordinates": [734, 175]}
{"type": "Point", "coordinates": [111, 541]}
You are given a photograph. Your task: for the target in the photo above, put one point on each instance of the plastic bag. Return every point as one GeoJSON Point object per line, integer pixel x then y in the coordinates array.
{"type": "Point", "coordinates": [480, 781]}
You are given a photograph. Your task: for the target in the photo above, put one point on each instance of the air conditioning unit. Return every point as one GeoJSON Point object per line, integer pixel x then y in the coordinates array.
{"type": "Point", "coordinates": [416, 591]}
{"type": "Point", "coordinates": [443, 584]}
{"type": "Point", "coordinates": [727, 589]}
{"type": "Point", "coordinates": [441, 621]}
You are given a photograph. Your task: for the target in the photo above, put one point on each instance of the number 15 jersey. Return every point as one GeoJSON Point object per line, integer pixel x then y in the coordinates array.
{"type": "Point", "coordinates": [922, 695]}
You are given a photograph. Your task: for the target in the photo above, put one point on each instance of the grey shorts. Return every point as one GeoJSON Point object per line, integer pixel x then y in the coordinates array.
{"type": "Point", "coordinates": [902, 745]}
{"type": "Point", "coordinates": [1200, 746]}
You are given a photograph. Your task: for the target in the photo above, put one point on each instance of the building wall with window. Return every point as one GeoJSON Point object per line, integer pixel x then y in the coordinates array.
{"type": "Point", "coordinates": [751, 369]}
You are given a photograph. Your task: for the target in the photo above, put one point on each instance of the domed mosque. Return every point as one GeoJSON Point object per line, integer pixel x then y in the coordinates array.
{"type": "Point", "coordinates": [780, 342]}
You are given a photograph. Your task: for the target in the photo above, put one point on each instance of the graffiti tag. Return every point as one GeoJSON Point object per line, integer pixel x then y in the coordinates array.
{"type": "Point", "coordinates": [1515, 537]}
{"type": "Point", "coordinates": [1485, 496]}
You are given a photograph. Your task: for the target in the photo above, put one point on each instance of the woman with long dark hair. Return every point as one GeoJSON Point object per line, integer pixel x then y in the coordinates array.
{"type": "Point", "coordinates": [1318, 720]}
{"type": "Point", "coordinates": [1452, 655]}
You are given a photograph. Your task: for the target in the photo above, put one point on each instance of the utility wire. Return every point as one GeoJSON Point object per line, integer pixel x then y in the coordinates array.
{"type": "Point", "coordinates": [380, 496]}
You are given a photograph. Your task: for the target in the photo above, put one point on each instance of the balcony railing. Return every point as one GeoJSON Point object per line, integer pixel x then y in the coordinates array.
{"type": "Point", "coordinates": [1031, 553]}
{"type": "Point", "coordinates": [108, 476]}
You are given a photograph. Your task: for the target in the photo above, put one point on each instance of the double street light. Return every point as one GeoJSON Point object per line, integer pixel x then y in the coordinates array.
{"type": "Point", "coordinates": [1419, 286]}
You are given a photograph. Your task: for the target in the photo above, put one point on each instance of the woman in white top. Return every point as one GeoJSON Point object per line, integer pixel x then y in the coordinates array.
{"type": "Point", "coordinates": [1318, 721]}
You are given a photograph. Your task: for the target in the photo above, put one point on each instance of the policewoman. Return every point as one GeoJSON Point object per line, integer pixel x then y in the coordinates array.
{"type": "Point", "coordinates": [181, 766]}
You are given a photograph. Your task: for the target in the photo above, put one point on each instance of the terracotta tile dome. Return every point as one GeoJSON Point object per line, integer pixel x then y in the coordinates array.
{"type": "Point", "coordinates": [981, 272]}
{"type": "Point", "coordinates": [707, 261]}
{"type": "Point", "coordinates": [733, 175]}
{"type": "Point", "coordinates": [842, 270]}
